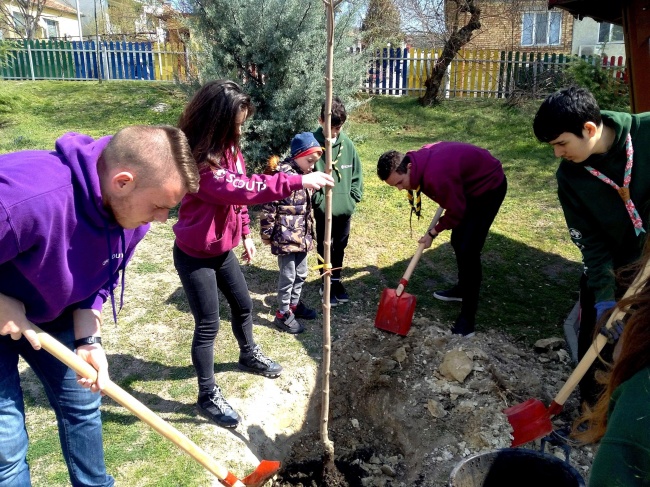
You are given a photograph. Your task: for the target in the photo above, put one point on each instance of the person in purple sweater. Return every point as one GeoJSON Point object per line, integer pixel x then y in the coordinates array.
{"type": "Point", "coordinates": [213, 222]}
{"type": "Point", "coordinates": [69, 222]}
{"type": "Point", "coordinates": [469, 183]}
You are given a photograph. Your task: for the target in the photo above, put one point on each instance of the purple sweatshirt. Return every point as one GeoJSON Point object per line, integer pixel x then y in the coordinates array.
{"type": "Point", "coordinates": [451, 172]}
{"type": "Point", "coordinates": [212, 221]}
{"type": "Point", "coordinates": [59, 246]}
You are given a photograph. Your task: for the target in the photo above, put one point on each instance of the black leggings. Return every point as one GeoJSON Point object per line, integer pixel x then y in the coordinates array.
{"type": "Point", "coordinates": [340, 236]}
{"type": "Point", "coordinates": [200, 279]}
{"type": "Point", "coordinates": [467, 240]}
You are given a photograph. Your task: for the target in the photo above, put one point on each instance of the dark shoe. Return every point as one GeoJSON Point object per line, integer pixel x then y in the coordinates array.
{"type": "Point", "coordinates": [256, 362]}
{"type": "Point", "coordinates": [452, 294]}
{"type": "Point", "coordinates": [339, 292]}
{"type": "Point", "coordinates": [215, 407]}
{"type": "Point", "coordinates": [463, 327]}
{"type": "Point", "coordinates": [302, 311]}
{"type": "Point", "coordinates": [288, 322]}
{"type": "Point", "coordinates": [333, 301]}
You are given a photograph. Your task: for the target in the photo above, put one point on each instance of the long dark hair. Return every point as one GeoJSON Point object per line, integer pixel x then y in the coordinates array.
{"type": "Point", "coordinates": [634, 356]}
{"type": "Point", "coordinates": [209, 119]}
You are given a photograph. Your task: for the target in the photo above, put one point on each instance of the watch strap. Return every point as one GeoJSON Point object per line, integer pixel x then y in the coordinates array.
{"type": "Point", "coordinates": [91, 340]}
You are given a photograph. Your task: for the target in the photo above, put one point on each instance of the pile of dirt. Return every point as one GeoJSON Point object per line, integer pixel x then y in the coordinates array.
{"type": "Point", "coordinates": [405, 411]}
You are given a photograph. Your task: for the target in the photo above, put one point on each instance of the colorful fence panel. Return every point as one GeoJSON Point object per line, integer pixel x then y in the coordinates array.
{"type": "Point", "coordinates": [473, 73]}
{"type": "Point", "coordinates": [88, 60]}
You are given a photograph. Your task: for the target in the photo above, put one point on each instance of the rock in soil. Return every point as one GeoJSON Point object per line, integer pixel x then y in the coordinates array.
{"type": "Point", "coordinates": [404, 411]}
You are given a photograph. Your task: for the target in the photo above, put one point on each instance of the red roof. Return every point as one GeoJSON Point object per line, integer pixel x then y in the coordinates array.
{"type": "Point", "coordinates": [60, 6]}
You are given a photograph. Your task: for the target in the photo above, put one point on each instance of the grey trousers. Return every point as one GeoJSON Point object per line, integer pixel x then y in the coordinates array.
{"type": "Point", "coordinates": [293, 272]}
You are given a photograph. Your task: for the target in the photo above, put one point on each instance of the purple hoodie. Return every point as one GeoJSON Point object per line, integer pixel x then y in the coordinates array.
{"type": "Point", "coordinates": [451, 172]}
{"type": "Point", "coordinates": [59, 246]}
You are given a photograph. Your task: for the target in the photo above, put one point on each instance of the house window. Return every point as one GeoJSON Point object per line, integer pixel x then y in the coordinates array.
{"type": "Point", "coordinates": [609, 32]}
{"type": "Point", "coordinates": [20, 23]}
{"type": "Point", "coordinates": [541, 28]}
{"type": "Point", "coordinates": [52, 28]}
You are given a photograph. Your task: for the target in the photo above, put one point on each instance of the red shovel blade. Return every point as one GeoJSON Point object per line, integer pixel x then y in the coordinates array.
{"type": "Point", "coordinates": [264, 471]}
{"type": "Point", "coordinates": [395, 313]}
{"type": "Point", "coordinates": [530, 420]}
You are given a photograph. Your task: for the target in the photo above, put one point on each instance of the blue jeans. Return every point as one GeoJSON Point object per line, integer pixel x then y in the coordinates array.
{"type": "Point", "coordinates": [76, 408]}
{"type": "Point", "coordinates": [201, 278]}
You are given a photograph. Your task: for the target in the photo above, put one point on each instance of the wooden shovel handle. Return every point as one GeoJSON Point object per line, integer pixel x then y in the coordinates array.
{"type": "Point", "coordinates": [598, 344]}
{"type": "Point", "coordinates": [114, 391]}
{"type": "Point", "coordinates": [416, 257]}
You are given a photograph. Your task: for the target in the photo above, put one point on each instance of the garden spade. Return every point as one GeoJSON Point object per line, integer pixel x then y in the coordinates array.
{"type": "Point", "coordinates": [396, 307]}
{"type": "Point", "coordinates": [264, 471]}
{"type": "Point", "coordinates": [531, 420]}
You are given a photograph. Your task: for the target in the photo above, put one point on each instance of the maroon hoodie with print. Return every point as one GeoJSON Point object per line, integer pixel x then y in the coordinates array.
{"type": "Point", "coordinates": [212, 221]}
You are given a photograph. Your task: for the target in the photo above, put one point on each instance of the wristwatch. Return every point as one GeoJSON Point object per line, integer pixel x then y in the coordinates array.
{"type": "Point", "coordinates": [91, 340]}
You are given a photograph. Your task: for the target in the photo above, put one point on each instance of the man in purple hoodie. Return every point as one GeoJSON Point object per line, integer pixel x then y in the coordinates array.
{"type": "Point", "coordinates": [69, 222]}
{"type": "Point", "coordinates": [469, 183]}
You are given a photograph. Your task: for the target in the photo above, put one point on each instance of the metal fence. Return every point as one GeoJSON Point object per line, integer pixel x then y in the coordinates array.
{"type": "Point", "coordinates": [88, 60]}
{"type": "Point", "coordinates": [472, 73]}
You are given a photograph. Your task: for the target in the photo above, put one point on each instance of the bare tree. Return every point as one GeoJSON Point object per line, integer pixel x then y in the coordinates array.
{"type": "Point", "coordinates": [457, 37]}
{"type": "Point", "coordinates": [23, 19]}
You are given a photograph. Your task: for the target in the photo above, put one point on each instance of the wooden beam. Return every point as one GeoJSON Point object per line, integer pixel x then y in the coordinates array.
{"type": "Point", "coordinates": [636, 26]}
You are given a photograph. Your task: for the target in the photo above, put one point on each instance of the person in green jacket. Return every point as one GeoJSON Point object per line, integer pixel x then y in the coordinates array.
{"type": "Point", "coordinates": [347, 192]}
{"type": "Point", "coordinates": [620, 419]}
{"type": "Point", "coordinates": [604, 189]}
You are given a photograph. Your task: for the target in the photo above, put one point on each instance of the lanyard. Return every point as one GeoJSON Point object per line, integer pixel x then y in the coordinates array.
{"type": "Point", "coordinates": [624, 192]}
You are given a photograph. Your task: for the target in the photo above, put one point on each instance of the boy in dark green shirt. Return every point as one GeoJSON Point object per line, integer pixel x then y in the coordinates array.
{"type": "Point", "coordinates": [604, 189]}
{"type": "Point", "coordinates": [347, 192]}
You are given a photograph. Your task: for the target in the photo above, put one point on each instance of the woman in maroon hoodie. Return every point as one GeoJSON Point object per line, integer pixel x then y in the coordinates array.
{"type": "Point", "coordinates": [211, 224]}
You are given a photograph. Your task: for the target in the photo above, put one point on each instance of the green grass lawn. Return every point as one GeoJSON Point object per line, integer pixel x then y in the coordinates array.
{"type": "Point", "coordinates": [531, 269]}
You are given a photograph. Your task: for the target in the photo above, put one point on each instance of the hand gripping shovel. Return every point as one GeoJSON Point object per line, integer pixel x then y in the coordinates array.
{"type": "Point", "coordinates": [264, 471]}
{"type": "Point", "coordinates": [531, 420]}
{"type": "Point", "coordinates": [396, 307]}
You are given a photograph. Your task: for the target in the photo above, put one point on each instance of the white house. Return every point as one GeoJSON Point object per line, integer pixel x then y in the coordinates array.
{"type": "Point", "coordinates": [602, 38]}
{"type": "Point", "coordinates": [57, 20]}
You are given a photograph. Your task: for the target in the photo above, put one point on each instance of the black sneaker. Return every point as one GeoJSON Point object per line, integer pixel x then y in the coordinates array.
{"type": "Point", "coordinates": [302, 311]}
{"type": "Point", "coordinates": [452, 294]}
{"type": "Point", "coordinates": [257, 363]}
{"type": "Point", "coordinates": [288, 322]}
{"type": "Point", "coordinates": [215, 407]}
{"type": "Point", "coordinates": [463, 327]}
{"type": "Point", "coordinates": [333, 301]}
{"type": "Point", "coordinates": [339, 292]}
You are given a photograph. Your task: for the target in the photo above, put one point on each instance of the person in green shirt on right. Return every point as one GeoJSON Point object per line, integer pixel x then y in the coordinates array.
{"type": "Point", "coordinates": [620, 420]}
{"type": "Point", "coordinates": [604, 189]}
{"type": "Point", "coordinates": [347, 192]}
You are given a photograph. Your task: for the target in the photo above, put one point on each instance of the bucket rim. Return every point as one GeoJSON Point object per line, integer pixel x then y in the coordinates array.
{"type": "Point", "coordinates": [518, 452]}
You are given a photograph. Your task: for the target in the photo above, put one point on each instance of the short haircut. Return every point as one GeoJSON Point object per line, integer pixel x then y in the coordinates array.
{"type": "Point", "coordinates": [566, 110]}
{"type": "Point", "coordinates": [339, 115]}
{"type": "Point", "coordinates": [153, 153]}
{"type": "Point", "coordinates": [209, 120]}
{"type": "Point", "coordinates": [391, 161]}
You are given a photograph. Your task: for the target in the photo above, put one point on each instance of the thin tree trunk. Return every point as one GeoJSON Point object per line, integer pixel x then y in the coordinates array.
{"type": "Point", "coordinates": [328, 445]}
{"type": "Point", "coordinates": [455, 42]}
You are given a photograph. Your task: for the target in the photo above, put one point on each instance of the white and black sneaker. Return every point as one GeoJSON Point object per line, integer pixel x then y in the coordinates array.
{"type": "Point", "coordinates": [256, 362]}
{"type": "Point", "coordinates": [333, 301]}
{"type": "Point", "coordinates": [215, 407]}
{"type": "Point", "coordinates": [452, 294]}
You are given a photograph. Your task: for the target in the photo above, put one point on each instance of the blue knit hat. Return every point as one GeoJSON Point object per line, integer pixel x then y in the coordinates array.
{"type": "Point", "coordinates": [304, 144]}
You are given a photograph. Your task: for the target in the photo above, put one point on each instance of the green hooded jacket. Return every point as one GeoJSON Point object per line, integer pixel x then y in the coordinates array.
{"type": "Point", "coordinates": [347, 174]}
{"type": "Point", "coordinates": [598, 221]}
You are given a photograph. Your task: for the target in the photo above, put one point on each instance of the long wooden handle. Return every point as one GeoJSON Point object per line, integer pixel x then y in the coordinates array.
{"type": "Point", "coordinates": [598, 344]}
{"type": "Point", "coordinates": [114, 391]}
{"type": "Point", "coordinates": [416, 257]}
